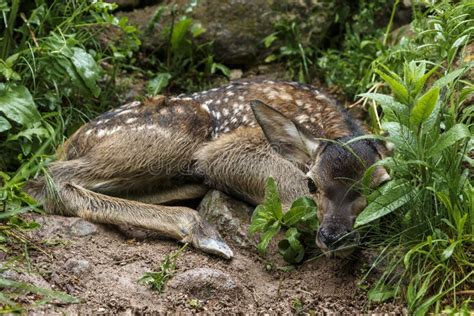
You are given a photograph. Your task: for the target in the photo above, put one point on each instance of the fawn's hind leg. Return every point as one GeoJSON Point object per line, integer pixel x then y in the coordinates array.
{"type": "Point", "coordinates": [72, 197]}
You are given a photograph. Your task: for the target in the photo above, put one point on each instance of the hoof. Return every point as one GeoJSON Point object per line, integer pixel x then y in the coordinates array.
{"type": "Point", "coordinates": [215, 247]}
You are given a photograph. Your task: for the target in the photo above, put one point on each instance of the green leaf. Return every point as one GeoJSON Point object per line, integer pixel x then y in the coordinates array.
{"type": "Point", "coordinates": [48, 294]}
{"type": "Point", "coordinates": [158, 83]}
{"type": "Point", "coordinates": [4, 124]}
{"type": "Point", "coordinates": [17, 104]}
{"type": "Point", "coordinates": [400, 135]}
{"type": "Point", "coordinates": [87, 69]}
{"type": "Point", "coordinates": [393, 110]}
{"type": "Point", "coordinates": [267, 237]}
{"type": "Point", "coordinates": [268, 41]}
{"type": "Point", "coordinates": [448, 252]}
{"type": "Point", "coordinates": [424, 106]}
{"type": "Point", "coordinates": [399, 90]}
{"type": "Point", "coordinates": [291, 248]}
{"type": "Point", "coordinates": [397, 194]}
{"type": "Point", "coordinates": [179, 32]}
{"type": "Point", "coordinates": [381, 292]}
{"type": "Point", "coordinates": [298, 210]}
{"type": "Point", "coordinates": [449, 138]}
{"type": "Point", "coordinates": [261, 218]}
{"type": "Point", "coordinates": [217, 66]}
{"type": "Point", "coordinates": [447, 79]}
{"type": "Point", "coordinates": [272, 199]}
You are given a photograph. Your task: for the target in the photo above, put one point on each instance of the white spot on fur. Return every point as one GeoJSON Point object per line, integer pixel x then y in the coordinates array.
{"type": "Point", "coordinates": [229, 93]}
{"type": "Point", "coordinates": [205, 107]}
{"type": "Point", "coordinates": [131, 120]}
{"type": "Point", "coordinates": [101, 133]}
{"type": "Point", "coordinates": [89, 132]}
{"type": "Point", "coordinates": [226, 100]}
{"type": "Point", "coordinates": [225, 112]}
{"type": "Point", "coordinates": [124, 112]}
{"type": "Point", "coordinates": [241, 98]}
{"type": "Point", "coordinates": [218, 115]}
{"type": "Point", "coordinates": [218, 102]}
{"type": "Point", "coordinates": [215, 89]}
{"type": "Point", "coordinates": [299, 102]}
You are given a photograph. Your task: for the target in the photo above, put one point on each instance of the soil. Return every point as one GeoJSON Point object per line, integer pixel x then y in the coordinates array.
{"type": "Point", "coordinates": [101, 265]}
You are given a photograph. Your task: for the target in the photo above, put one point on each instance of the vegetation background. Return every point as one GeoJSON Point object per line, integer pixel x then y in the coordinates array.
{"type": "Point", "coordinates": [63, 62]}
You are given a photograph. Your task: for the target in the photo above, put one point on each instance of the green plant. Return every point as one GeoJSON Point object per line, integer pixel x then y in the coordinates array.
{"type": "Point", "coordinates": [8, 305]}
{"type": "Point", "coordinates": [294, 49]}
{"type": "Point", "coordinates": [300, 220]}
{"type": "Point", "coordinates": [430, 198]}
{"type": "Point", "coordinates": [51, 57]}
{"type": "Point", "coordinates": [183, 63]}
{"type": "Point", "coordinates": [158, 280]}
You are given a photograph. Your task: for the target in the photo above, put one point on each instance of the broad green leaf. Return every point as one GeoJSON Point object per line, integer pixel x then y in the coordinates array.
{"type": "Point", "coordinates": [158, 83]}
{"type": "Point", "coordinates": [447, 79]}
{"type": "Point", "coordinates": [424, 106]}
{"type": "Point", "coordinates": [4, 124]}
{"type": "Point", "coordinates": [400, 135]}
{"type": "Point", "coordinates": [399, 90]}
{"type": "Point", "coordinates": [272, 199]}
{"type": "Point", "coordinates": [261, 218]}
{"type": "Point", "coordinates": [40, 132]}
{"type": "Point", "coordinates": [179, 32]}
{"type": "Point", "coordinates": [396, 196]}
{"type": "Point", "coordinates": [380, 293]}
{"type": "Point", "coordinates": [87, 69]}
{"type": "Point", "coordinates": [291, 248]}
{"type": "Point", "coordinates": [449, 138]}
{"type": "Point", "coordinates": [268, 41]}
{"type": "Point", "coordinates": [393, 110]}
{"type": "Point", "coordinates": [300, 207]}
{"type": "Point", "coordinates": [267, 237]}
{"type": "Point", "coordinates": [17, 104]}
{"type": "Point", "coordinates": [448, 252]}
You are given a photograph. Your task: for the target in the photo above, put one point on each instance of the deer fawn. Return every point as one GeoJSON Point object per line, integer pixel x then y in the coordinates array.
{"type": "Point", "coordinates": [123, 166]}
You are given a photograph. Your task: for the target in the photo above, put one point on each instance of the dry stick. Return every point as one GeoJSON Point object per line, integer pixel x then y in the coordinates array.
{"type": "Point", "coordinates": [23, 17]}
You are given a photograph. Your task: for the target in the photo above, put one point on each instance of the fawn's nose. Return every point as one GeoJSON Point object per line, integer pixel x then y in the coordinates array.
{"type": "Point", "coordinates": [334, 239]}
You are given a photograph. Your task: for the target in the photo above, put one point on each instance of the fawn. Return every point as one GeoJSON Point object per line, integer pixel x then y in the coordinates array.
{"type": "Point", "coordinates": [122, 167]}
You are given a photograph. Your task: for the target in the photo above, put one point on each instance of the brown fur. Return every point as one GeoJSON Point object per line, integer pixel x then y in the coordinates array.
{"type": "Point", "coordinates": [165, 149]}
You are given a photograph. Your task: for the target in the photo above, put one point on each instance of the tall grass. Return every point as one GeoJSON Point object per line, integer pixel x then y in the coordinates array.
{"type": "Point", "coordinates": [422, 221]}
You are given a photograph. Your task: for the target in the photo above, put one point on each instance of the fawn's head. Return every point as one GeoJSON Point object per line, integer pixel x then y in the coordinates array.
{"type": "Point", "coordinates": [333, 174]}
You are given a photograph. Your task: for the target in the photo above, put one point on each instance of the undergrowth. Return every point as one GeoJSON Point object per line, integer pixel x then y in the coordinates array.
{"type": "Point", "coordinates": [419, 96]}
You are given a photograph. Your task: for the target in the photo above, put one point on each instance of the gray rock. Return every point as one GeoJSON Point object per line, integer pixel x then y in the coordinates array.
{"type": "Point", "coordinates": [204, 283]}
{"type": "Point", "coordinates": [231, 217]}
{"type": "Point", "coordinates": [30, 278]}
{"type": "Point", "coordinates": [77, 266]}
{"type": "Point", "coordinates": [83, 228]}
{"type": "Point", "coordinates": [237, 27]}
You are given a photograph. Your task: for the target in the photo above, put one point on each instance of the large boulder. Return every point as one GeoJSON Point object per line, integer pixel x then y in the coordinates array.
{"type": "Point", "coordinates": [237, 27]}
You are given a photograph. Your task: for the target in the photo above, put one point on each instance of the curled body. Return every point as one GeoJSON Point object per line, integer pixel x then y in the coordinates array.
{"type": "Point", "coordinates": [123, 166]}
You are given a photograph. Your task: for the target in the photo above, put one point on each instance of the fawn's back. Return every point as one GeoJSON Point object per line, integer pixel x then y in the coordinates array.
{"type": "Point", "coordinates": [207, 115]}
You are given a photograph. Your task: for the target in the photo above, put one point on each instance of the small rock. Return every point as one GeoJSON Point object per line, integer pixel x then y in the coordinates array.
{"type": "Point", "coordinates": [235, 74]}
{"type": "Point", "coordinates": [205, 283]}
{"type": "Point", "coordinates": [83, 228]}
{"type": "Point", "coordinates": [231, 217]}
{"type": "Point", "coordinates": [77, 266]}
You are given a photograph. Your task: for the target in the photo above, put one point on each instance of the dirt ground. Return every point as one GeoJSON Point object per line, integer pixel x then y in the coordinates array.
{"type": "Point", "coordinates": [101, 265]}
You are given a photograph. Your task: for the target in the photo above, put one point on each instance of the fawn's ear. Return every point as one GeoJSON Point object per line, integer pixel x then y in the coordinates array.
{"type": "Point", "coordinates": [288, 138]}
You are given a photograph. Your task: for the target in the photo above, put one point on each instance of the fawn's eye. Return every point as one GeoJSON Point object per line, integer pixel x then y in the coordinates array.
{"type": "Point", "coordinates": [312, 186]}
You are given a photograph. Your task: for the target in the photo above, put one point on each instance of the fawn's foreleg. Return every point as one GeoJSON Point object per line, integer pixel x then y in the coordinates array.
{"type": "Point", "coordinates": [71, 196]}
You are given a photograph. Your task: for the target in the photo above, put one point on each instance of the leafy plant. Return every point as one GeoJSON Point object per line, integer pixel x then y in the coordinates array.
{"type": "Point", "coordinates": [183, 63]}
{"type": "Point", "coordinates": [268, 219]}
{"type": "Point", "coordinates": [430, 195]}
{"type": "Point", "coordinates": [157, 280]}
